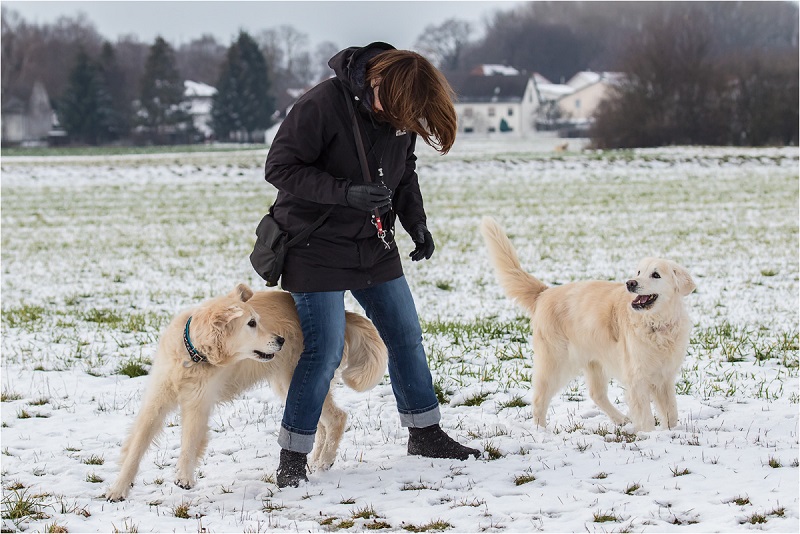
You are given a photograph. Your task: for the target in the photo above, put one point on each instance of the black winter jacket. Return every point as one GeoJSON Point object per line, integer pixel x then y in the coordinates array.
{"type": "Point", "coordinates": [310, 162]}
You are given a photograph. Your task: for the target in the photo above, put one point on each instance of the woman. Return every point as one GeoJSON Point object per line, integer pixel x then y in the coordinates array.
{"type": "Point", "coordinates": [313, 162]}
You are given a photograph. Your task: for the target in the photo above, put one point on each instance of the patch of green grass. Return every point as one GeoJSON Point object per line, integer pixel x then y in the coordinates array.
{"type": "Point", "coordinates": [269, 506]}
{"type": "Point", "coordinates": [774, 462]}
{"type": "Point", "coordinates": [365, 513]}
{"type": "Point", "coordinates": [133, 368]}
{"type": "Point", "coordinates": [428, 527]}
{"type": "Point", "coordinates": [601, 475]}
{"type": "Point", "coordinates": [632, 488]}
{"type": "Point", "coordinates": [477, 399]}
{"type": "Point", "coordinates": [604, 517]}
{"type": "Point", "coordinates": [377, 525]}
{"type": "Point", "coordinates": [181, 511]}
{"type": "Point", "coordinates": [678, 472]}
{"type": "Point", "coordinates": [440, 391]}
{"type": "Point", "coordinates": [754, 519]}
{"type": "Point", "coordinates": [94, 459]}
{"type": "Point", "coordinates": [517, 402]}
{"type": "Point", "coordinates": [347, 501]}
{"type": "Point", "coordinates": [519, 480]}
{"type": "Point", "coordinates": [492, 452]}
{"type": "Point", "coordinates": [25, 316]}
{"type": "Point", "coordinates": [93, 478]}
{"type": "Point", "coordinates": [8, 396]}
{"type": "Point", "coordinates": [19, 505]}
{"type": "Point", "coordinates": [740, 501]}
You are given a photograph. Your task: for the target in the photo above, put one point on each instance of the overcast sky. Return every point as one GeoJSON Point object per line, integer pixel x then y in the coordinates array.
{"type": "Point", "coordinates": [344, 23]}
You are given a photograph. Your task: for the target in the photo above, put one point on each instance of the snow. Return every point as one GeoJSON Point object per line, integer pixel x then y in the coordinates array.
{"type": "Point", "coordinates": [99, 252]}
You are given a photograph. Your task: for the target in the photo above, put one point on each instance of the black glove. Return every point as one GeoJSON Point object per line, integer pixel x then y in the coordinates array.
{"type": "Point", "coordinates": [367, 197]}
{"type": "Point", "coordinates": [424, 241]}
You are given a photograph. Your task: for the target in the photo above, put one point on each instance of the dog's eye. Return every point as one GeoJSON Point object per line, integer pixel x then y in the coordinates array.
{"type": "Point", "coordinates": [656, 275]}
{"type": "Point", "coordinates": [638, 273]}
{"type": "Point", "coordinates": [252, 323]}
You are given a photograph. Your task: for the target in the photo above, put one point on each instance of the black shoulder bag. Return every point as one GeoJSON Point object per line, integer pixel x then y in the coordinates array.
{"type": "Point", "coordinates": [269, 251]}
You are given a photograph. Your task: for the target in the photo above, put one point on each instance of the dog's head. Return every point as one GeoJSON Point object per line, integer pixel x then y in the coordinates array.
{"type": "Point", "coordinates": [227, 330]}
{"type": "Point", "coordinates": [658, 281]}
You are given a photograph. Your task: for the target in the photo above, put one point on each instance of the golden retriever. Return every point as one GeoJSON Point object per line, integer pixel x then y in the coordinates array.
{"type": "Point", "coordinates": [637, 332]}
{"type": "Point", "coordinates": [238, 340]}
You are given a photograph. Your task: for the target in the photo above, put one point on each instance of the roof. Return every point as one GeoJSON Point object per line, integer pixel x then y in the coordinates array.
{"type": "Point", "coordinates": [585, 78]}
{"type": "Point", "coordinates": [492, 70]}
{"type": "Point", "coordinates": [197, 89]}
{"type": "Point", "coordinates": [498, 88]}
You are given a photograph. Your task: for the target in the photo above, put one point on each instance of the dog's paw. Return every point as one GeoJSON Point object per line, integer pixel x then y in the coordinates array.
{"type": "Point", "coordinates": [184, 482]}
{"type": "Point", "coordinates": [321, 465]}
{"type": "Point", "coordinates": [113, 495]}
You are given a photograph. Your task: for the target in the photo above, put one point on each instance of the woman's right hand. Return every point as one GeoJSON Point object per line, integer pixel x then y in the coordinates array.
{"type": "Point", "coordinates": [367, 197]}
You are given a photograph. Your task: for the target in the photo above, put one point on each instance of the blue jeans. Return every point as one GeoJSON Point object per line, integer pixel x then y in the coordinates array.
{"type": "Point", "coordinates": [391, 308]}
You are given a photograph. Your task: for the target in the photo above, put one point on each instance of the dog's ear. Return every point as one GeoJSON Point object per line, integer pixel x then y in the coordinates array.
{"type": "Point", "coordinates": [684, 280]}
{"type": "Point", "coordinates": [242, 292]}
{"type": "Point", "coordinates": [222, 316]}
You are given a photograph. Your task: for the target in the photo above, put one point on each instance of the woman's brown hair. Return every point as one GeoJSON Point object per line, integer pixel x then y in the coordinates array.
{"type": "Point", "coordinates": [415, 96]}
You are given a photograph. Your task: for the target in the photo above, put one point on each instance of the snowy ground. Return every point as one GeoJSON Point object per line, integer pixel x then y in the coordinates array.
{"type": "Point", "coordinates": [98, 253]}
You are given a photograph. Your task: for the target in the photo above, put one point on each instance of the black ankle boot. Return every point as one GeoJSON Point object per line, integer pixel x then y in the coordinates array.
{"type": "Point", "coordinates": [291, 469]}
{"type": "Point", "coordinates": [432, 442]}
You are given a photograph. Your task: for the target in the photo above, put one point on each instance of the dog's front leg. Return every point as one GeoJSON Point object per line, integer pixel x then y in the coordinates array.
{"type": "Point", "coordinates": [159, 401]}
{"type": "Point", "coordinates": [638, 398]}
{"type": "Point", "coordinates": [666, 404]}
{"type": "Point", "coordinates": [195, 413]}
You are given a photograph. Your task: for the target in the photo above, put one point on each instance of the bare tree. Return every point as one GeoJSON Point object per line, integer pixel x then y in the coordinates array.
{"type": "Point", "coordinates": [444, 44]}
{"type": "Point", "coordinates": [200, 60]}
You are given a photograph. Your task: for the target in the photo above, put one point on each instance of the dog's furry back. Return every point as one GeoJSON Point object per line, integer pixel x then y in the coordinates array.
{"type": "Point", "coordinates": [520, 286]}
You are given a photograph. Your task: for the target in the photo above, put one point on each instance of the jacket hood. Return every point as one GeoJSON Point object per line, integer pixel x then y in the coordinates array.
{"type": "Point", "coordinates": [350, 65]}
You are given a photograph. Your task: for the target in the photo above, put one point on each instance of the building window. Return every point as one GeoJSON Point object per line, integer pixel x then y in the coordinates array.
{"type": "Point", "coordinates": [510, 112]}
{"type": "Point", "coordinates": [491, 112]}
{"type": "Point", "coordinates": [577, 103]}
{"type": "Point", "coordinates": [468, 112]}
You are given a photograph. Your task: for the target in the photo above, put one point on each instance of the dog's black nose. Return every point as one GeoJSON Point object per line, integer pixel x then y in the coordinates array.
{"type": "Point", "coordinates": [632, 285]}
{"type": "Point", "coordinates": [279, 340]}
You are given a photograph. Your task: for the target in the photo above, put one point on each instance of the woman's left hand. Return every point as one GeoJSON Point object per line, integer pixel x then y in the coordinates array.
{"type": "Point", "coordinates": [424, 241]}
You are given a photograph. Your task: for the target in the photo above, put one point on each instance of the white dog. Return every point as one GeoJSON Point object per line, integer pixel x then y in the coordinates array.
{"type": "Point", "coordinates": [637, 332]}
{"type": "Point", "coordinates": [214, 352]}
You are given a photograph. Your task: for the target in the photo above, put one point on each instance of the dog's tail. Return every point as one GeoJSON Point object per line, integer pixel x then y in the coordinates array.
{"type": "Point", "coordinates": [520, 286]}
{"type": "Point", "coordinates": [365, 354]}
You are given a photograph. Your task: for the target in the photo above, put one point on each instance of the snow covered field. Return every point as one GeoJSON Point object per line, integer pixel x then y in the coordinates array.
{"type": "Point", "coordinates": [99, 253]}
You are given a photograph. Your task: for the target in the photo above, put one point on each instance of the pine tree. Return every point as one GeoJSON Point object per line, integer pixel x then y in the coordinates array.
{"type": "Point", "coordinates": [86, 109]}
{"type": "Point", "coordinates": [162, 113]}
{"type": "Point", "coordinates": [243, 104]}
{"type": "Point", "coordinates": [114, 81]}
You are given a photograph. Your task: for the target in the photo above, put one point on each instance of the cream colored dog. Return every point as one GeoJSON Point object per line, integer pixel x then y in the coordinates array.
{"type": "Point", "coordinates": [637, 332]}
{"type": "Point", "coordinates": [216, 351]}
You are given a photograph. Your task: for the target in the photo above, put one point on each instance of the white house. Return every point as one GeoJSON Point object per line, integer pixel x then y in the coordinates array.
{"type": "Point", "coordinates": [494, 98]}
{"type": "Point", "coordinates": [27, 123]}
{"type": "Point", "coordinates": [589, 89]}
{"type": "Point", "coordinates": [198, 97]}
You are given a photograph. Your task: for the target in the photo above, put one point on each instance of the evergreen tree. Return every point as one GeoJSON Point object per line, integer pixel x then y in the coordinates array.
{"type": "Point", "coordinates": [114, 81]}
{"type": "Point", "coordinates": [243, 104]}
{"type": "Point", "coordinates": [162, 113]}
{"type": "Point", "coordinates": [86, 110]}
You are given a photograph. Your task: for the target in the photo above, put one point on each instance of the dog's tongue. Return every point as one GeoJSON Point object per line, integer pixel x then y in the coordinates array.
{"type": "Point", "coordinates": [641, 299]}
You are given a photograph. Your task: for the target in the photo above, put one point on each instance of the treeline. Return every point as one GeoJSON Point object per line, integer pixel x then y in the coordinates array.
{"type": "Point", "coordinates": [132, 92]}
{"type": "Point", "coordinates": [695, 72]}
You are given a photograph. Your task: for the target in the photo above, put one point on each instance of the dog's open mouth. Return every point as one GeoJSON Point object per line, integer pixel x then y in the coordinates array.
{"type": "Point", "coordinates": [263, 356]}
{"type": "Point", "coordinates": [642, 302]}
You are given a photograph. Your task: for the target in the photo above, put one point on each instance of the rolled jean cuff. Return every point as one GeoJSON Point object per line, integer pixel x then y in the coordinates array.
{"type": "Point", "coordinates": [421, 420]}
{"type": "Point", "coordinates": [292, 441]}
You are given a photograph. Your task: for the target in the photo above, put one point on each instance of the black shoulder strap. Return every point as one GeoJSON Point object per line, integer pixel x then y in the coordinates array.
{"type": "Point", "coordinates": [362, 155]}
{"type": "Point", "coordinates": [302, 236]}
